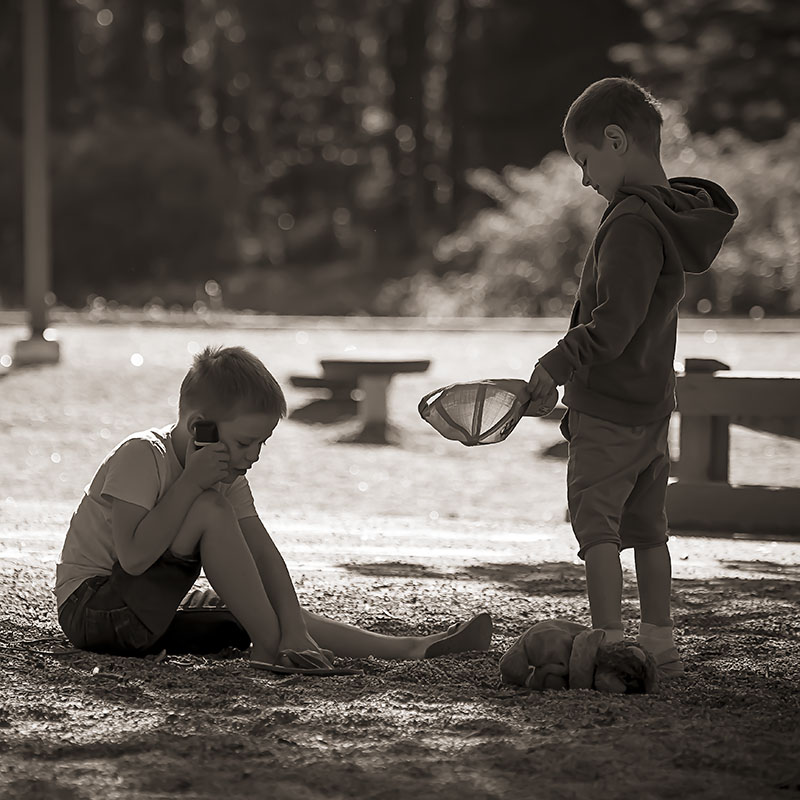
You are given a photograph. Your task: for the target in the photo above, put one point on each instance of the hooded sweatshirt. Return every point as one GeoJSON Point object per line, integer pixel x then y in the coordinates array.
{"type": "Point", "coordinates": [616, 359]}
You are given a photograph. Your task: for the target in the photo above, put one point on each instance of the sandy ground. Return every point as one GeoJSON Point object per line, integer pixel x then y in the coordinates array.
{"type": "Point", "coordinates": [399, 539]}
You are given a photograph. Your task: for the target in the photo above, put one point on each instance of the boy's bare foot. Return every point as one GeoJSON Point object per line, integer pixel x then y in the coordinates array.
{"type": "Point", "coordinates": [474, 634]}
{"type": "Point", "coordinates": [262, 655]}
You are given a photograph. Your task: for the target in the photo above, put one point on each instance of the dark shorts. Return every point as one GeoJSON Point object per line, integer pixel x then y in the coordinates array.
{"type": "Point", "coordinates": [617, 481]}
{"type": "Point", "coordinates": [125, 614]}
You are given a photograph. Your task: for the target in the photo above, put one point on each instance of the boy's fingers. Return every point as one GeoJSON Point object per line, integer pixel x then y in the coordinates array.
{"type": "Point", "coordinates": [535, 388]}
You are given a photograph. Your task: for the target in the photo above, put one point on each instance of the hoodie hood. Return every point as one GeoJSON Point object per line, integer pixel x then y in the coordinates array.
{"type": "Point", "coordinates": [693, 215]}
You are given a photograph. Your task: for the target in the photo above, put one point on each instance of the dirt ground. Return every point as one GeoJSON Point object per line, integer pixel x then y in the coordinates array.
{"type": "Point", "coordinates": [404, 539]}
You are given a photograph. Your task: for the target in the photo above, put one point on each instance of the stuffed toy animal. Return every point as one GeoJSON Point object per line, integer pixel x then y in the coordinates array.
{"type": "Point", "coordinates": [559, 654]}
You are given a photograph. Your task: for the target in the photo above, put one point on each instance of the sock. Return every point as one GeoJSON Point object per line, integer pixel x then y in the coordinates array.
{"type": "Point", "coordinates": [655, 638]}
{"type": "Point", "coordinates": [613, 635]}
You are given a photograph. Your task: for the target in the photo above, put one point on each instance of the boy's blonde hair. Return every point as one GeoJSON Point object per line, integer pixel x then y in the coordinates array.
{"type": "Point", "coordinates": [615, 101]}
{"type": "Point", "coordinates": [226, 381]}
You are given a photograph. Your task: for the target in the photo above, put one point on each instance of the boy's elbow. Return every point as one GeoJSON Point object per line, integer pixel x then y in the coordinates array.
{"type": "Point", "coordinates": [132, 565]}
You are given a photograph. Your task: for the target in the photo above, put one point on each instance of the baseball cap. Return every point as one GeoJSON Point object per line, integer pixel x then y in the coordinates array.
{"type": "Point", "coordinates": [480, 412]}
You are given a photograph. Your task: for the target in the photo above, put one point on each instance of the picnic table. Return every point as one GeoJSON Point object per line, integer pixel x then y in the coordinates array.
{"type": "Point", "coordinates": [364, 384]}
{"type": "Point", "coordinates": [711, 397]}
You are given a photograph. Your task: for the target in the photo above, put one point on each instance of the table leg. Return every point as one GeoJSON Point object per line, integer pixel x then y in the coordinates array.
{"type": "Point", "coordinates": [372, 410]}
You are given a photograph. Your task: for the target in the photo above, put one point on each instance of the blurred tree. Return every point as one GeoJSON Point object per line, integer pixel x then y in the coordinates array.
{"type": "Point", "coordinates": [120, 73]}
{"type": "Point", "coordinates": [139, 201]}
{"type": "Point", "coordinates": [732, 63]}
{"type": "Point", "coordinates": [350, 126]}
{"type": "Point", "coordinates": [66, 106]}
{"type": "Point", "coordinates": [11, 65]}
{"type": "Point", "coordinates": [523, 255]}
{"type": "Point", "coordinates": [11, 270]}
{"type": "Point", "coordinates": [523, 63]}
{"type": "Point", "coordinates": [166, 34]}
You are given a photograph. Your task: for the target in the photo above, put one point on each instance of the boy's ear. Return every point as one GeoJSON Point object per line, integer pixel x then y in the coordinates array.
{"type": "Point", "coordinates": [192, 420]}
{"type": "Point", "coordinates": [617, 137]}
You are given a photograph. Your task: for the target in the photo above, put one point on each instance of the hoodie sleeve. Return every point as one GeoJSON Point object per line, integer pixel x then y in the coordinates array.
{"type": "Point", "coordinates": [629, 262]}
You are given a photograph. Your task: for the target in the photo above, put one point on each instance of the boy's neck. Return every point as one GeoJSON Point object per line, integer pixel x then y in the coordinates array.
{"type": "Point", "coordinates": [644, 170]}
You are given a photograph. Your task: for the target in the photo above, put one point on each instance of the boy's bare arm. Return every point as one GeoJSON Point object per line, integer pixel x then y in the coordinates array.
{"type": "Point", "coordinates": [140, 535]}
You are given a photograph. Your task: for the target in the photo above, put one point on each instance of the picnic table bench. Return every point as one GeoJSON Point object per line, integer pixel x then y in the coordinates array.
{"type": "Point", "coordinates": [711, 397]}
{"type": "Point", "coordinates": [364, 385]}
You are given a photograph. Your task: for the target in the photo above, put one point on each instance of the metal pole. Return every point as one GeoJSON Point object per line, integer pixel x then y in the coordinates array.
{"type": "Point", "coordinates": [36, 194]}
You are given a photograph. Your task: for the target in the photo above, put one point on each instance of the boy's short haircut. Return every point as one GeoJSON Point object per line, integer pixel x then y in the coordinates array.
{"type": "Point", "coordinates": [615, 101]}
{"type": "Point", "coordinates": [226, 381]}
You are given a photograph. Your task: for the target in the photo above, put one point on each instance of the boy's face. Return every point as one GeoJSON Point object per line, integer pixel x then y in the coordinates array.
{"type": "Point", "coordinates": [603, 167]}
{"type": "Point", "coordinates": [244, 436]}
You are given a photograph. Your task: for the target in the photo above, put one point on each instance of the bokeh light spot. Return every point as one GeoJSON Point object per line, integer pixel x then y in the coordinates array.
{"type": "Point", "coordinates": [137, 360]}
{"type": "Point", "coordinates": [341, 216]}
{"type": "Point", "coordinates": [404, 133]}
{"type": "Point", "coordinates": [704, 305]}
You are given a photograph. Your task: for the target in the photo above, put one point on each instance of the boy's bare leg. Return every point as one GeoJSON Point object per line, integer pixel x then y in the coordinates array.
{"type": "Point", "coordinates": [604, 587]}
{"type": "Point", "coordinates": [349, 641]}
{"type": "Point", "coordinates": [654, 579]}
{"type": "Point", "coordinates": [230, 568]}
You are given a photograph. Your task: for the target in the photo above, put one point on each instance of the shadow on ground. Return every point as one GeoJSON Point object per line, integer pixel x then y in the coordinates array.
{"type": "Point", "coordinates": [563, 577]}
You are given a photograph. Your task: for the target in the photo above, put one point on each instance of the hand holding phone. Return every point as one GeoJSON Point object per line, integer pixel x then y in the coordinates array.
{"type": "Point", "coordinates": [207, 459]}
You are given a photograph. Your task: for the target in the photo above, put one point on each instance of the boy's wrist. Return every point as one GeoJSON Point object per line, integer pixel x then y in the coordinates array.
{"type": "Point", "coordinates": [185, 480]}
{"type": "Point", "coordinates": [556, 366]}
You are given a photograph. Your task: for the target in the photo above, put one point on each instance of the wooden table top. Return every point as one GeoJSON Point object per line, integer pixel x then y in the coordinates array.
{"type": "Point", "coordinates": [333, 367]}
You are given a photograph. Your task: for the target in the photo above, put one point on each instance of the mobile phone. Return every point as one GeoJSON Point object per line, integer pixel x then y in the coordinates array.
{"type": "Point", "coordinates": [205, 432]}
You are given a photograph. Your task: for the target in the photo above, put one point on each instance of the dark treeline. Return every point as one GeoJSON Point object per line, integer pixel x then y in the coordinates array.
{"type": "Point", "coordinates": [202, 139]}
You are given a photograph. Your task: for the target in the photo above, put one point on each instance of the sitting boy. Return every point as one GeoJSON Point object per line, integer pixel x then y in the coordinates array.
{"type": "Point", "coordinates": [616, 359]}
{"type": "Point", "coordinates": [159, 508]}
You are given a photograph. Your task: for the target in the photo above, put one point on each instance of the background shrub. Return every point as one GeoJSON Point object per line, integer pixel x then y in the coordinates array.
{"type": "Point", "coordinates": [134, 201]}
{"type": "Point", "coordinates": [523, 256]}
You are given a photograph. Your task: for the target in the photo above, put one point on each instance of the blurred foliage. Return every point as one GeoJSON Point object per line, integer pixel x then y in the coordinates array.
{"type": "Point", "coordinates": [348, 125]}
{"type": "Point", "coordinates": [306, 153]}
{"type": "Point", "coordinates": [10, 218]}
{"type": "Point", "coordinates": [138, 200]}
{"type": "Point", "coordinates": [731, 63]}
{"type": "Point", "coordinates": [134, 201]}
{"type": "Point", "coordinates": [524, 255]}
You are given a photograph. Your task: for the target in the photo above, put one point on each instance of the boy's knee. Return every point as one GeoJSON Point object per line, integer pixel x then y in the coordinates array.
{"type": "Point", "coordinates": [211, 505]}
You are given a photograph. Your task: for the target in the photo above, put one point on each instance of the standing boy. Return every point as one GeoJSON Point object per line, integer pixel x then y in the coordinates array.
{"type": "Point", "coordinates": [616, 359]}
{"type": "Point", "coordinates": [158, 508]}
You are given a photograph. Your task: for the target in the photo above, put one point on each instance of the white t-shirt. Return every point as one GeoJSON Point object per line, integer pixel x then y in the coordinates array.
{"type": "Point", "coordinates": [139, 470]}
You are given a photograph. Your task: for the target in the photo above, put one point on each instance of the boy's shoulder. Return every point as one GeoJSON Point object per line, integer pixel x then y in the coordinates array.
{"type": "Point", "coordinates": [155, 441]}
{"type": "Point", "coordinates": [628, 208]}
